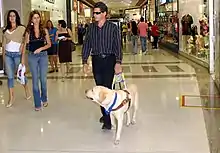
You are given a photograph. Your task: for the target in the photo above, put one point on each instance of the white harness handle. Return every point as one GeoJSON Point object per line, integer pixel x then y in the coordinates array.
{"type": "Point", "coordinates": [119, 79]}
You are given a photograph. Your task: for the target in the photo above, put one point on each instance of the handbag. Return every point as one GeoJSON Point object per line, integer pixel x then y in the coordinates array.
{"type": "Point", "coordinates": [21, 74]}
{"type": "Point", "coordinates": [151, 39]}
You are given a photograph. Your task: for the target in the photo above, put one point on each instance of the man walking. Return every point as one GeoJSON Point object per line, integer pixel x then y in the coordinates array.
{"type": "Point", "coordinates": [142, 28]}
{"type": "Point", "coordinates": [103, 42]}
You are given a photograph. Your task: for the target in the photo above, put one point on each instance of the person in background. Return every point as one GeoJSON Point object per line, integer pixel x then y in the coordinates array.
{"type": "Point", "coordinates": [13, 52]}
{"type": "Point", "coordinates": [149, 30]}
{"type": "Point", "coordinates": [52, 51]}
{"type": "Point", "coordinates": [142, 28]}
{"type": "Point", "coordinates": [155, 33]}
{"type": "Point", "coordinates": [38, 41]}
{"type": "Point", "coordinates": [64, 36]}
{"type": "Point", "coordinates": [134, 37]}
{"type": "Point", "coordinates": [129, 31]}
{"type": "Point", "coordinates": [124, 31]}
{"type": "Point", "coordinates": [81, 33]}
{"type": "Point", "coordinates": [103, 39]}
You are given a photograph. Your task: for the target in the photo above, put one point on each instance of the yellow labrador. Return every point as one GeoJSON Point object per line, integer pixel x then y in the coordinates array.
{"type": "Point", "coordinates": [117, 103]}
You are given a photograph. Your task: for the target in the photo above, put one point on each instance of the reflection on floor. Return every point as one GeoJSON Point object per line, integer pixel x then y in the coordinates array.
{"type": "Point", "coordinates": [70, 123]}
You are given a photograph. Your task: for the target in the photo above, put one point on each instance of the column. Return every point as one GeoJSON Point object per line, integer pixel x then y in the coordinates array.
{"type": "Point", "coordinates": [217, 40]}
{"type": "Point", "coordinates": [68, 13]}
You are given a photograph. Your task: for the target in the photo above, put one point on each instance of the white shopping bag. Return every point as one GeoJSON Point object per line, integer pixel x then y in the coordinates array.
{"type": "Point", "coordinates": [151, 39]}
{"type": "Point", "coordinates": [119, 82]}
{"type": "Point", "coordinates": [21, 74]}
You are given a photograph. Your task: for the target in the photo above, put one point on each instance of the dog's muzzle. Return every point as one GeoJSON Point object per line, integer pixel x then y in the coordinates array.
{"type": "Point", "coordinates": [89, 98]}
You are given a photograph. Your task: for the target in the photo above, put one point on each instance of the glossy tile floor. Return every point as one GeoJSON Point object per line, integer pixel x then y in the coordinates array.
{"type": "Point", "coordinates": [70, 123]}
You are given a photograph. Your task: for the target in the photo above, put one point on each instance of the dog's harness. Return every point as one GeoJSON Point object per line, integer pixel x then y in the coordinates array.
{"type": "Point", "coordinates": [124, 102]}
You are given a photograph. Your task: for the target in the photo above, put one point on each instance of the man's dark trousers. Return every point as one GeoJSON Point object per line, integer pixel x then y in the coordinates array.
{"type": "Point", "coordinates": [103, 71]}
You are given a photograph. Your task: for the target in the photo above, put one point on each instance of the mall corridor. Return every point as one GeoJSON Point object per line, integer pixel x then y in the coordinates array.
{"type": "Point", "coordinates": [71, 122]}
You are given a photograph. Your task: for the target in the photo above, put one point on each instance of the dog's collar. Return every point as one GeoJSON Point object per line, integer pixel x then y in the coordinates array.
{"type": "Point", "coordinates": [108, 111]}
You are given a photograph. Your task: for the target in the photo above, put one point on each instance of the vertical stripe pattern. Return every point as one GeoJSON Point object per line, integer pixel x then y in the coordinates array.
{"type": "Point", "coordinates": [102, 41]}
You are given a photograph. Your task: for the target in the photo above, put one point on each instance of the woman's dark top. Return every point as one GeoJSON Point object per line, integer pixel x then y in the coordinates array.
{"type": "Point", "coordinates": [35, 43]}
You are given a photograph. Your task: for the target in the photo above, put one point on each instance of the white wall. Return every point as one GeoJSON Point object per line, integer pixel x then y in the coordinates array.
{"type": "Point", "coordinates": [57, 10]}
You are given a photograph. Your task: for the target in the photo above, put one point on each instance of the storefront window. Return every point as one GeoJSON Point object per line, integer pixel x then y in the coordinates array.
{"type": "Point", "coordinates": [133, 14]}
{"type": "Point", "coordinates": [168, 21]}
{"type": "Point", "coordinates": [195, 35]}
{"type": "Point", "coordinates": [81, 15]}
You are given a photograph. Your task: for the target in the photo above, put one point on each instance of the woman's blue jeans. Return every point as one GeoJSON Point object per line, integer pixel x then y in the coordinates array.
{"type": "Point", "coordinates": [38, 64]}
{"type": "Point", "coordinates": [12, 61]}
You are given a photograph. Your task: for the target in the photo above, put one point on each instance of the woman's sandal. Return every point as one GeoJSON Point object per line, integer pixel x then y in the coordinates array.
{"type": "Point", "coordinates": [45, 104]}
{"type": "Point", "coordinates": [37, 109]}
{"type": "Point", "coordinates": [10, 103]}
{"type": "Point", "coordinates": [29, 97]}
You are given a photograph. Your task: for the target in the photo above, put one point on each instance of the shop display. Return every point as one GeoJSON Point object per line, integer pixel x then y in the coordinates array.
{"type": "Point", "coordinates": [194, 43]}
{"type": "Point", "coordinates": [169, 28]}
{"type": "Point", "coordinates": [168, 23]}
{"type": "Point", "coordinates": [187, 22]}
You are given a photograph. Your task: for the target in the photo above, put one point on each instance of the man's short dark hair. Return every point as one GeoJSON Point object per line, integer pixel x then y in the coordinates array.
{"type": "Point", "coordinates": [103, 7]}
{"type": "Point", "coordinates": [142, 19]}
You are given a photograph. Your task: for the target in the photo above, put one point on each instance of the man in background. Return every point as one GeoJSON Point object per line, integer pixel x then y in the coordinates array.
{"type": "Point", "coordinates": [142, 28]}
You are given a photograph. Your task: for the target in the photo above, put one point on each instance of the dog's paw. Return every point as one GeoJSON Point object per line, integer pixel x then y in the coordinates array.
{"type": "Point", "coordinates": [116, 142]}
{"type": "Point", "coordinates": [128, 124]}
{"type": "Point", "coordinates": [133, 122]}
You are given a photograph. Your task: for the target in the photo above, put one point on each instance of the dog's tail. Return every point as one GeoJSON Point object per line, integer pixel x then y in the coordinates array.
{"type": "Point", "coordinates": [134, 92]}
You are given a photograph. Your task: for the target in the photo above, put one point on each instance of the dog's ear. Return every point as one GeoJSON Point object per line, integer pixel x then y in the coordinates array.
{"type": "Point", "coordinates": [102, 96]}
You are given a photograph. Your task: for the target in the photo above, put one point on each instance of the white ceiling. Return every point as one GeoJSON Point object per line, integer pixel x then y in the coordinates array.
{"type": "Point", "coordinates": [119, 4]}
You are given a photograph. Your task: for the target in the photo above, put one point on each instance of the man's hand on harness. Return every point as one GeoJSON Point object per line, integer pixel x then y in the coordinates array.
{"type": "Point", "coordinates": [118, 68]}
{"type": "Point", "coordinates": [86, 68]}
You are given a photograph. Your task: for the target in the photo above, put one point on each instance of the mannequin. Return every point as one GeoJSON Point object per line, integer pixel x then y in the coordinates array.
{"type": "Point", "coordinates": [192, 41]}
{"type": "Point", "coordinates": [186, 22]}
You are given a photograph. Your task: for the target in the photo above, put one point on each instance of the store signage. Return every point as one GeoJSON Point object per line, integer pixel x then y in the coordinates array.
{"type": "Point", "coordinates": [50, 1]}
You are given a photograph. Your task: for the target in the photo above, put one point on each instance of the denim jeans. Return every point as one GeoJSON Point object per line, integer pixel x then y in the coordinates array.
{"type": "Point", "coordinates": [12, 61]}
{"type": "Point", "coordinates": [143, 43]}
{"type": "Point", "coordinates": [134, 40]}
{"type": "Point", "coordinates": [38, 64]}
{"type": "Point", "coordinates": [129, 36]}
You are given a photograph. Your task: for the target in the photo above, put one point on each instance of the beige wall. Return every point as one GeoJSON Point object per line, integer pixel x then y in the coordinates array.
{"type": "Point", "coordinates": [22, 6]}
{"type": "Point", "coordinates": [57, 10]}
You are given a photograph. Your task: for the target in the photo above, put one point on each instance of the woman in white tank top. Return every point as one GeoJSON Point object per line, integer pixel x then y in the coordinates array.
{"type": "Point", "coordinates": [13, 52]}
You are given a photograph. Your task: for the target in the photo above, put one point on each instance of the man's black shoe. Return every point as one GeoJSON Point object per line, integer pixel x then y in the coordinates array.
{"type": "Point", "coordinates": [101, 120]}
{"type": "Point", "coordinates": [104, 127]}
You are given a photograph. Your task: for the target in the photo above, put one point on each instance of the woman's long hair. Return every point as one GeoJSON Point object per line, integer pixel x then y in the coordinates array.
{"type": "Point", "coordinates": [49, 21]}
{"type": "Point", "coordinates": [30, 26]}
{"type": "Point", "coordinates": [17, 20]}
